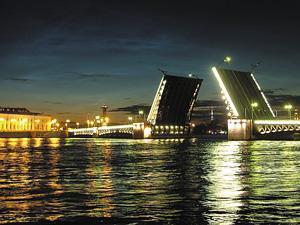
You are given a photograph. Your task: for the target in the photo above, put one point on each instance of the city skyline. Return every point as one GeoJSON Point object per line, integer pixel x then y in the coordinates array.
{"type": "Point", "coordinates": [67, 59]}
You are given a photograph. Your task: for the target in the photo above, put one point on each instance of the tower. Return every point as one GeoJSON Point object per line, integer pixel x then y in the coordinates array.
{"type": "Point", "coordinates": [104, 117]}
{"type": "Point", "coordinates": [104, 110]}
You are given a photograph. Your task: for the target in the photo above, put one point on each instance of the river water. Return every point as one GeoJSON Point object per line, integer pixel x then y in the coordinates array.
{"type": "Point", "coordinates": [150, 181]}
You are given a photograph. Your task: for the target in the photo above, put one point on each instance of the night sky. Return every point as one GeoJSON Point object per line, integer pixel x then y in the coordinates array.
{"type": "Point", "coordinates": [67, 58]}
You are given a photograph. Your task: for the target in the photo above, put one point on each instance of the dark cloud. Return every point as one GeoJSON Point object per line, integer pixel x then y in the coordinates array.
{"type": "Point", "coordinates": [64, 113]}
{"type": "Point", "coordinates": [280, 100]}
{"type": "Point", "coordinates": [133, 109]}
{"type": "Point", "coordinates": [18, 79]}
{"type": "Point", "coordinates": [274, 91]}
{"type": "Point", "coordinates": [92, 76]}
{"type": "Point", "coordinates": [53, 103]}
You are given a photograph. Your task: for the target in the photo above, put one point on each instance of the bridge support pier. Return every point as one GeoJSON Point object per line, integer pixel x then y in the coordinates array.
{"type": "Point", "coordinates": [240, 129]}
{"type": "Point", "coordinates": [138, 130]}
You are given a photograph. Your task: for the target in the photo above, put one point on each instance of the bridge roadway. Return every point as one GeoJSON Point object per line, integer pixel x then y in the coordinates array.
{"type": "Point", "coordinates": [135, 130]}
{"type": "Point", "coordinates": [238, 129]}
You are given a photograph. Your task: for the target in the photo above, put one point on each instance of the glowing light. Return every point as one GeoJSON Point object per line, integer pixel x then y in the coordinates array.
{"type": "Point", "coordinates": [288, 106]}
{"type": "Point", "coordinates": [68, 121]}
{"type": "Point", "coordinates": [97, 117]}
{"type": "Point", "coordinates": [225, 92]}
{"type": "Point", "coordinates": [130, 118]}
{"type": "Point", "coordinates": [227, 59]}
{"type": "Point", "coordinates": [13, 120]}
{"type": "Point", "coordinates": [147, 132]}
{"type": "Point", "coordinates": [2, 119]}
{"type": "Point", "coordinates": [53, 121]}
{"type": "Point", "coordinates": [277, 122]}
{"type": "Point", "coordinates": [254, 104]}
{"type": "Point", "coordinates": [141, 112]}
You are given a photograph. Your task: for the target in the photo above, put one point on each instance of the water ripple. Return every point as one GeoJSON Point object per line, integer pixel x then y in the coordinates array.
{"type": "Point", "coordinates": [159, 181]}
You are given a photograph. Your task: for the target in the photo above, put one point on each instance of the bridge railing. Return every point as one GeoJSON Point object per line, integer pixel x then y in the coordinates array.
{"type": "Point", "coordinates": [273, 126]}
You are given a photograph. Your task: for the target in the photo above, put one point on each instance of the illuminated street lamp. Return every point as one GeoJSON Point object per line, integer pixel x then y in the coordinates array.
{"type": "Point", "coordinates": [141, 112]}
{"type": "Point", "coordinates": [227, 59]}
{"type": "Point", "coordinates": [130, 119]}
{"type": "Point", "coordinates": [289, 107]}
{"type": "Point", "coordinates": [88, 123]}
{"type": "Point", "coordinates": [92, 123]}
{"type": "Point", "coordinates": [67, 121]}
{"type": "Point", "coordinates": [77, 124]}
{"type": "Point", "coordinates": [98, 122]}
{"type": "Point", "coordinates": [253, 106]}
{"type": "Point", "coordinates": [53, 123]}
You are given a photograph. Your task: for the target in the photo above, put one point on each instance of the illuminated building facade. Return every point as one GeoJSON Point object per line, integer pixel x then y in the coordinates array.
{"type": "Point", "coordinates": [21, 120]}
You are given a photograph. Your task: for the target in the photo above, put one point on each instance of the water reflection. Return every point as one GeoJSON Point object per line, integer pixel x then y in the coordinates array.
{"type": "Point", "coordinates": [172, 181]}
{"type": "Point", "coordinates": [225, 178]}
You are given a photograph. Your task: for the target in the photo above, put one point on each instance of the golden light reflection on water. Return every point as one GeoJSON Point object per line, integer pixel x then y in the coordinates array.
{"type": "Point", "coordinates": [23, 177]}
{"type": "Point", "coordinates": [225, 189]}
{"type": "Point", "coordinates": [37, 142]}
{"type": "Point", "coordinates": [107, 202]}
{"type": "Point", "coordinates": [54, 142]}
{"type": "Point", "coordinates": [164, 179]}
{"type": "Point", "coordinates": [25, 142]}
{"type": "Point", "coordinates": [274, 181]}
{"type": "Point", "coordinates": [102, 186]}
{"type": "Point", "coordinates": [15, 165]}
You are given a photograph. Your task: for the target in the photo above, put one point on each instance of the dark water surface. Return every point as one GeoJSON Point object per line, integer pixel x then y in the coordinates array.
{"type": "Point", "coordinates": [164, 181]}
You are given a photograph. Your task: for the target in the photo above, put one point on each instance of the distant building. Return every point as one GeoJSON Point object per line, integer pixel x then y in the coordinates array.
{"type": "Point", "coordinates": [21, 119]}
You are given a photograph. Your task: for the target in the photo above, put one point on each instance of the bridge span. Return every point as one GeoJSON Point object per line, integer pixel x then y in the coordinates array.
{"type": "Point", "coordinates": [250, 114]}
{"type": "Point", "coordinates": [169, 116]}
{"type": "Point", "coordinates": [135, 130]}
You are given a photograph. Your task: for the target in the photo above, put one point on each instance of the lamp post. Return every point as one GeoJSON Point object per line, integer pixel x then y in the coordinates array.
{"type": "Point", "coordinates": [289, 107]}
{"type": "Point", "coordinates": [77, 124]}
{"type": "Point", "coordinates": [67, 121]}
{"type": "Point", "coordinates": [141, 112]}
{"type": "Point", "coordinates": [130, 119]}
{"type": "Point", "coordinates": [227, 59]}
{"type": "Point", "coordinates": [253, 106]}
